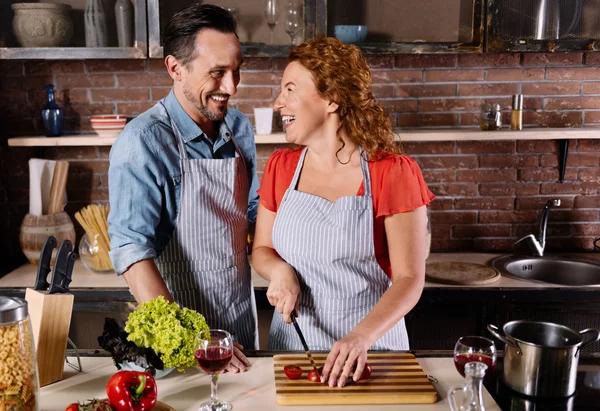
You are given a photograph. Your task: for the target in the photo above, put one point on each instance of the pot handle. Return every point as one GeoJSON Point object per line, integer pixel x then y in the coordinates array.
{"type": "Point", "coordinates": [592, 340]}
{"type": "Point", "coordinates": [495, 331]}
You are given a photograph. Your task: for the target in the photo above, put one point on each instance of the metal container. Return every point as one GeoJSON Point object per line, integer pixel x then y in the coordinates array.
{"type": "Point", "coordinates": [540, 358]}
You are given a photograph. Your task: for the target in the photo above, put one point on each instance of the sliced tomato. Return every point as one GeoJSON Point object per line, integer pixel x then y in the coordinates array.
{"type": "Point", "coordinates": [292, 371]}
{"type": "Point", "coordinates": [315, 375]}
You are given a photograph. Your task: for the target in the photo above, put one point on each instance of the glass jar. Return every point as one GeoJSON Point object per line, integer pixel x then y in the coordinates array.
{"type": "Point", "coordinates": [490, 117]}
{"type": "Point", "coordinates": [19, 384]}
{"type": "Point", "coordinates": [93, 255]}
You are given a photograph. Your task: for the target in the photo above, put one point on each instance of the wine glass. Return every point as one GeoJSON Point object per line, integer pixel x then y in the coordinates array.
{"type": "Point", "coordinates": [474, 349]}
{"type": "Point", "coordinates": [272, 15]}
{"type": "Point", "coordinates": [213, 351]}
{"type": "Point", "coordinates": [293, 21]}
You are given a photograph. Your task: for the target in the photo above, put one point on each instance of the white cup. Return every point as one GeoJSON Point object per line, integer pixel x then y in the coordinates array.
{"type": "Point", "coordinates": [263, 118]}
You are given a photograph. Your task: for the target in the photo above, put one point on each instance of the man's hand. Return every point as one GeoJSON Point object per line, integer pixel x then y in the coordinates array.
{"type": "Point", "coordinates": [238, 362]}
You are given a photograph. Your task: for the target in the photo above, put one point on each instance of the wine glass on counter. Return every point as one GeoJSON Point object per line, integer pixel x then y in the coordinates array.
{"type": "Point", "coordinates": [213, 352]}
{"type": "Point", "coordinates": [272, 15]}
{"type": "Point", "coordinates": [294, 22]}
{"type": "Point", "coordinates": [474, 349]}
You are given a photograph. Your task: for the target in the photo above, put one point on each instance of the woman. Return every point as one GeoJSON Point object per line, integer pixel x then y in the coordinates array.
{"type": "Point", "coordinates": [341, 226]}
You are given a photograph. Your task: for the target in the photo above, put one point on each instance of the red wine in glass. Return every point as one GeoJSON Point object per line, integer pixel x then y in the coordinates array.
{"type": "Point", "coordinates": [213, 359]}
{"type": "Point", "coordinates": [462, 359]}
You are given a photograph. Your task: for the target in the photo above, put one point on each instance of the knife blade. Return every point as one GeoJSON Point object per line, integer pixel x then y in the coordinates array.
{"type": "Point", "coordinates": [293, 316]}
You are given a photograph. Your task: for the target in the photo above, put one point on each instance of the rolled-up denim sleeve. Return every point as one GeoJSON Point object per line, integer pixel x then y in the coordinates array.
{"type": "Point", "coordinates": [254, 184]}
{"type": "Point", "coordinates": [136, 189]}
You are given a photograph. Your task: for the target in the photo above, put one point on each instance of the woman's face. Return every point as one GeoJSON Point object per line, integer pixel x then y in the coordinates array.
{"type": "Point", "coordinates": [303, 111]}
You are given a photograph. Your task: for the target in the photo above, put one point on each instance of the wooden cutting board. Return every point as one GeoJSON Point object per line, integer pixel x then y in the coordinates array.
{"type": "Point", "coordinates": [459, 273]}
{"type": "Point", "coordinates": [396, 379]}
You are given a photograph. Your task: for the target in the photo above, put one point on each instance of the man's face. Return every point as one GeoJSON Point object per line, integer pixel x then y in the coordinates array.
{"type": "Point", "coordinates": [212, 77]}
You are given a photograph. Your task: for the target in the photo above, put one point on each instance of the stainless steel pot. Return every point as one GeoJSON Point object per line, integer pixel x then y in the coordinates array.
{"type": "Point", "coordinates": [540, 358]}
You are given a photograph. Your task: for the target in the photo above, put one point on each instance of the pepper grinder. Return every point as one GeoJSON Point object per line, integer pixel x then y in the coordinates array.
{"type": "Point", "coordinates": [516, 119]}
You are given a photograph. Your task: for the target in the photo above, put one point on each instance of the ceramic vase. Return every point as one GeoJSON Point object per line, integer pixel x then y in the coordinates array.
{"type": "Point", "coordinates": [96, 33]}
{"type": "Point", "coordinates": [42, 24]}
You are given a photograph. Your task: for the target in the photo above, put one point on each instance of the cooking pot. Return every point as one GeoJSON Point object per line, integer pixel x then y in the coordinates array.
{"type": "Point", "coordinates": [540, 358]}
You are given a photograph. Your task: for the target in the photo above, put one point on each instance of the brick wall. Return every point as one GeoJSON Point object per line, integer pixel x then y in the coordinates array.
{"type": "Point", "coordinates": [489, 193]}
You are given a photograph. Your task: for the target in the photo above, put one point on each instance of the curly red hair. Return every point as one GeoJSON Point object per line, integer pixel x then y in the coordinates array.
{"type": "Point", "coordinates": [342, 75]}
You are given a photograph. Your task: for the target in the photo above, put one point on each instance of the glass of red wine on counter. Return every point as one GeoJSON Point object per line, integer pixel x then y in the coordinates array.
{"type": "Point", "coordinates": [213, 353]}
{"type": "Point", "coordinates": [474, 349]}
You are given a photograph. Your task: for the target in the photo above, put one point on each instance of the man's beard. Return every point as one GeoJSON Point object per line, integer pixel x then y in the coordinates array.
{"type": "Point", "coordinates": [203, 109]}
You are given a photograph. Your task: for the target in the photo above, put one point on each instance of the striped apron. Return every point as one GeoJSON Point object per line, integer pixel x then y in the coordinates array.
{"type": "Point", "coordinates": [330, 245]}
{"type": "Point", "coordinates": [205, 265]}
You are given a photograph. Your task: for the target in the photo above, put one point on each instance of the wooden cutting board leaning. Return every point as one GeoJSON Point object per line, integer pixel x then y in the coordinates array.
{"type": "Point", "coordinates": [396, 379]}
{"type": "Point", "coordinates": [459, 273]}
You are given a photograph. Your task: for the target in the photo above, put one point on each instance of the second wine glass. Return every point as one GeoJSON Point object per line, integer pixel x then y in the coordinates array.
{"type": "Point", "coordinates": [272, 15]}
{"type": "Point", "coordinates": [294, 22]}
{"type": "Point", "coordinates": [474, 349]}
{"type": "Point", "coordinates": [213, 352]}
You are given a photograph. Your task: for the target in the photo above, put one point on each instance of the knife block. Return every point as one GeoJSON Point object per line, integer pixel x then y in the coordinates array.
{"type": "Point", "coordinates": [50, 317]}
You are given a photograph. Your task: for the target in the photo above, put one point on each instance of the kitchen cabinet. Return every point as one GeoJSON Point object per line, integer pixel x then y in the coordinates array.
{"type": "Point", "coordinates": [9, 47]}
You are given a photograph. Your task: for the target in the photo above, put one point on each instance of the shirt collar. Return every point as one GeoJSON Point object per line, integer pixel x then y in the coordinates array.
{"type": "Point", "coordinates": [187, 127]}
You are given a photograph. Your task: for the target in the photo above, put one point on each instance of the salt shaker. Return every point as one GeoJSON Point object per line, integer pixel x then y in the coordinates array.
{"type": "Point", "coordinates": [19, 384]}
{"type": "Point", "coordinates": [472, 392]}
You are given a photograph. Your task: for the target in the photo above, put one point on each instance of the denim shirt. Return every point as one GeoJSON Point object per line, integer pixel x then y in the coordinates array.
{"type": "Point", "coordinates": [144, 176]}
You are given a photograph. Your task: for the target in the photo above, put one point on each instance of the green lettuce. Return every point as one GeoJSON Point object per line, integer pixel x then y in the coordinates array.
{"type": "Point", "coordinates": [167, 329]}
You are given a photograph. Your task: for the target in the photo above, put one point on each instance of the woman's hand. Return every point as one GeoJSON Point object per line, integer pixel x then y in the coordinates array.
{"type": "Point", "coordinates": [284, 291]}
{"type": "Point", "coordinates": [345, 353]}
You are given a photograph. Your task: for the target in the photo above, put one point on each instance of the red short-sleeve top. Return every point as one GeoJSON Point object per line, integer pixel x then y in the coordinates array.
{"type": "Point", "coordinates": [397, 187]}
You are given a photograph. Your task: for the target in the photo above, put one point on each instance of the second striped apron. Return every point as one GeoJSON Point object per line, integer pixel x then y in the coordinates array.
{"type": "Point", "coordinates": [205, 265]}
{"type": "Point", "coordinates": [330, 245]}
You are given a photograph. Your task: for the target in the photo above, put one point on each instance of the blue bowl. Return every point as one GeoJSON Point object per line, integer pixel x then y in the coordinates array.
{"type": "Point", "coordinates": [351, 34]}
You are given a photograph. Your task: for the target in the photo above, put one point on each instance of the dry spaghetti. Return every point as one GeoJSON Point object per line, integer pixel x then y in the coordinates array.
{"type": "Point", "coordinates": [94, 220]}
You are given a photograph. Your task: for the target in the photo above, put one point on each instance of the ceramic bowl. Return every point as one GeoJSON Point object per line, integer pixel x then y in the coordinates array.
{"type": "Point", "coordinates": [42, 24]}
{"type": "Point", "coordinates": [351, 34]}
{"type": "Point", "coordinates": [131, 366]}
{"type": "Point", "coordinates": [108, 125]}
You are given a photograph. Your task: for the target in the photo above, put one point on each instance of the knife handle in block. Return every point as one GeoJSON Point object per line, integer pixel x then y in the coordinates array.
{"type": "Point", "coordinates": [59, 185]}
{"type": "Point", "coordinates": [50, 317]}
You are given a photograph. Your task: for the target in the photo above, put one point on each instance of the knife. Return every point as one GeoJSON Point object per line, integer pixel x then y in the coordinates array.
{"type": "Point", "coordinates": [293, 316]}
{"type": "Point", "coordinates": [61, 263]}
{"type": "Point", "coordinates": [41, 280]}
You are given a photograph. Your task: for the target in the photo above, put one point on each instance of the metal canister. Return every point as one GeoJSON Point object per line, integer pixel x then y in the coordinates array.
{"type": "Point", "coordinates": [19, 384]}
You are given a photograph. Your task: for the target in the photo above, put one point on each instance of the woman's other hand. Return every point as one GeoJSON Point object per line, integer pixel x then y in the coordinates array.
{"type": "Point", "coordinates": [284, 291]}
{"type": "Point", "coordinates": [344, 355]}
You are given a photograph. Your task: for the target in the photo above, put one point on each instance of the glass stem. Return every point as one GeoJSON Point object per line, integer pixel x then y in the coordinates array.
{"type": "Point", "coordinates": [214, 379]}
{"type": "Point", "coordinates": [271, 35]}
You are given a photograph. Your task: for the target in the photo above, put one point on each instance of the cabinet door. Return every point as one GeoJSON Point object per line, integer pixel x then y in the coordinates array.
{"type": "Point", "coordinates": [410, 26]}
{"type": "Point", "coordinates": [253, 31]}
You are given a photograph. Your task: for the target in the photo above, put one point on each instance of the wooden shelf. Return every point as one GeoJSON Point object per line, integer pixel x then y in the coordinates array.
{"type": "Point", "coordinates": [403, 135]}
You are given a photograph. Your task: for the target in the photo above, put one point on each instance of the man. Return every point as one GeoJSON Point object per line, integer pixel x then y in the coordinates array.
{"type": "Point", "coordinates": [182, 183]}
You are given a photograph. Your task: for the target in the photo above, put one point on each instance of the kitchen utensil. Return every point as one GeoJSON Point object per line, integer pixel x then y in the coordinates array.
{"type": "Point", "coordinates": [18, 381]}
{"type": "Point", "coordinates": [40, 180]}
{"type": "Point", "coordinates": [459, 273]}
{"type": "Point", "coordinates": [293, 316]}
{"type": "Point", "coordinates": [59, 185]}
{"type": "Point", "coordinates": [41, 281]}
{"type": "Point", "coordinates": [397, 378]}
{"type": "Point", "coordinates": [63, 268]}
{"type": "Point", "coordinates": [540, 358]}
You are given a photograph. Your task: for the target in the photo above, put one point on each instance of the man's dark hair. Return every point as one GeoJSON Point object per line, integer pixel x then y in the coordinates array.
{"type": "Point", "coordinates": [180, 34]}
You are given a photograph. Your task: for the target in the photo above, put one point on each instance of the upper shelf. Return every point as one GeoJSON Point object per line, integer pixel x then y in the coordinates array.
{"type": "Point", "coordinates": [71, 53]}
{"type": "Point", "coordinates": [403, 135]}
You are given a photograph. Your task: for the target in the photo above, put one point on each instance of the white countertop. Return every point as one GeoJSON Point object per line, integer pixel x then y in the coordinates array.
{"type": "Point", "coordinates": [252, 390]}
{"type": "Point", "coordinates": [83, 278]}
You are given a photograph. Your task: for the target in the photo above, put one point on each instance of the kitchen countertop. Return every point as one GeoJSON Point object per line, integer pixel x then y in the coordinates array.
{"type": "Point", "coordinates": [83, 278]}
{"type": "Point", "coordinates": [252, 390]}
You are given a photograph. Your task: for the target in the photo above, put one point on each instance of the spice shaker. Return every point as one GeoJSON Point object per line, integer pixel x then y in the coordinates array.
{"type": "Point", "coordinates": [19, 385]}
{"type": "Point", "coordinates": [490, 117]}
{"type": "Point", "coordinates": [516, 119]}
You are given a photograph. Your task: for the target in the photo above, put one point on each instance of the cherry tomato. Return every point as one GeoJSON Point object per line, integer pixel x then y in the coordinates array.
{"type": "Point", "coordinates": [315, 375]}
{"type": "Point", "coordinates": [366, 372]}
{"type": "Point", "coordinates": [292, 371]}
{"type": "Point", "coordinates": [72, 407]}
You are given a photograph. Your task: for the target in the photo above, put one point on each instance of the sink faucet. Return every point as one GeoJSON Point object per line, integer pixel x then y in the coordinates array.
{"type": "Point", "coordinates": [538, 244]}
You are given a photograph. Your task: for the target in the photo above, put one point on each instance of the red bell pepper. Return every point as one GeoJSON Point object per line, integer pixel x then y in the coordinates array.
{"type": "Point", "coordinates": [132, 391]}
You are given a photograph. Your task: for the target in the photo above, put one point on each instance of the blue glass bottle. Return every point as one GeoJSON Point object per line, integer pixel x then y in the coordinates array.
{"type": "Point", "coordinates": [53, 116]}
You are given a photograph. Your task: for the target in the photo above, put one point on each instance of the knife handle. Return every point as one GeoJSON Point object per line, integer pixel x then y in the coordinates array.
{"type": "Point", "coordinates": [41, 280]}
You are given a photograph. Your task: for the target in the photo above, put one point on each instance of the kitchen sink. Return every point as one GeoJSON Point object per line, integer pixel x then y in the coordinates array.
{"type": "Point", "coordinates": [557, 269]}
